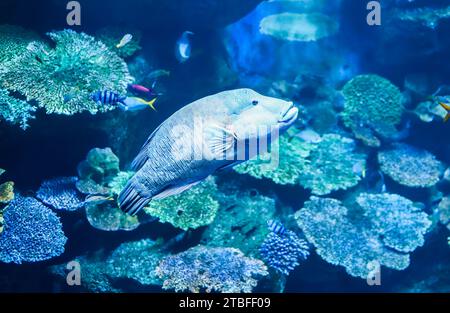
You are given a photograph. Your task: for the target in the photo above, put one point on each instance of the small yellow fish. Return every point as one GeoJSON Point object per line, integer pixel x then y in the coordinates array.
{"type": "Point", "coordinates": [125, 39]}
{"type": "Point", "coordinates": [447, 108]}
{"type": "Point", "coordinates": [136, 104]}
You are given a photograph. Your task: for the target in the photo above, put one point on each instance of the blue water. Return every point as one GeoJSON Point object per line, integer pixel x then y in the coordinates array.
{"type": "Point", "coordinates": [229, 52]}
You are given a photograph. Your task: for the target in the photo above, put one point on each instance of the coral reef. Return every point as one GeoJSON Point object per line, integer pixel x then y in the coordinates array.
{"type": "Point", "coordinates": [15, 111]}
{"type": "Point", "coordinates": [283, 252]}
{"type": "Point", "coordinates": [410, 166]}
{"type": "Point", "coordinates": [107, 216]}
{"type": "Point", "coordinates": [61, 194]}
{"type": "Point", "coordinates": [6, 190]}
{"type": "Point", "coordinates": [298, 27]}
{"type": "Point", "coordinates": [427, 16]}
{"type": "Point", "coordinates": [14, 41]}
{"type": "Point", "coordinates": [136, 260]}
{"type": "Point", "coordinates": [32, 232]}
{"type": "Point", "coordinates": [111, 36]}
{"type": "Point", "coordinates": [444, 211]}
{"type": "Point", "coordinates": [212, 269]}
{"type": "Point", "coordinates": [373, 107]}
{"type": "Point", "coordinates": [241, 221]}
{"type": "Point", "coordinates": [191, 209]}
{"type": "Point", "coordinates": [331, 165]}
{"type": "Point", "coordinates": [62, 79]}
{"type": "Point", "coordinates": [283, 165]}
{"type": "Point", "coordinates": [97, 171]}
{"type": "Point", "coordinates": [381, 228]}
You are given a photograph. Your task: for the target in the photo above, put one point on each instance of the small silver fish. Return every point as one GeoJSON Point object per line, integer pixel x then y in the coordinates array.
{"type": "Point", "coordinates": [125, 39]}
{"type": "Point", "coordinates": [183, 47]}
{"type": "Point", "coordinates": [190, 145]}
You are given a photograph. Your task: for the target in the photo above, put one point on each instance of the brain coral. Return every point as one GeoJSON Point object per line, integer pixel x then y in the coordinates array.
{"type": "Point", "coordinates": [193, 208]}
{"type": "Point", "coordinates": [298, 27]}
{"type": "Point", "coordinates": [32, 233]}
{"type": "Point", "coordinates": [379, 227]}
{"type": "Point", "coordinates": [211, 269]}
{"type": "Point", "coordinates": [61, 194]}
{"type": "Point", "coordinates": [410, 166]}
{"type": "Point", "coordinates": [62, 79]}
{"type": "Point", "coordinates": [372, 103]}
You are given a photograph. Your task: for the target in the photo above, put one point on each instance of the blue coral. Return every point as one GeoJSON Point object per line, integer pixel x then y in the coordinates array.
{"type": "Point", "coordinates": [283, 252]}
{"type": "Point", "coordinates": [32, 232]}
{"type": "Point", "coordinates": [61, 194]}
{"type": "Point", "coordinates": [15, 111]}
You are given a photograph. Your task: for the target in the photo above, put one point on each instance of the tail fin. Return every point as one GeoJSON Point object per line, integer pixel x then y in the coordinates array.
{"type": "Point", "coordinates": [130, 201]}
{"type": "Point", "coordinates": [150, 104]}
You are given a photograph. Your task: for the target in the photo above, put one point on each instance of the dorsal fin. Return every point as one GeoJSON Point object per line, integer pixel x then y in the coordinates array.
{"type": "Point", "coordinates": [142, 156]}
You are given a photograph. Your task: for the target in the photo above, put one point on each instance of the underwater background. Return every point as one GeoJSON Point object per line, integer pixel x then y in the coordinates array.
{"type": "Point", "coordinates": [360, 199]}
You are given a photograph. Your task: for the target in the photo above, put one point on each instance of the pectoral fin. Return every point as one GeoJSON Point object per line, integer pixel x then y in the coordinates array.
{"type": "Point", "coordinates": [220, 138]}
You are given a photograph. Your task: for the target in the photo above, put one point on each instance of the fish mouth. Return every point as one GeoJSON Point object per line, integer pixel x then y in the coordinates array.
{"type": "Point", "coordinates": [290, 115]}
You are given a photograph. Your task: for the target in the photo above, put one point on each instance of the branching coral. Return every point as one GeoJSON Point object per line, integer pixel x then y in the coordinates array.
{"type": "Point", "coordinates": [111, 36]}
{"type": "Point", "coordinates": [283, 252]}
{"type": "Point", "coordinates": [62, 79]}
{"type": "Point", "coordinates": [332, 165]}
{"type": "Point", "coordinates": [284, 166]}
{"type": "Point", "coordinates": [372, 103]}
{"type": "Point", "coordinates": [32, 233]}
{"type": "Point", "coordinates": [410, 166]}
{"type": "Point", "coordinates": [211, 269]}
{"type": "Point", "coordinates": [136, 260]}
{"type": "Point", "coordinates": [298, 27]}
{"type": "Point", "coordinates": [97, 171]}
{"type": "Point", "coordinates": [193, 208]}
{"type": "Point", "coordinates": [15, 111]}
{"type": "Point", "coordinates": [381, 228]}
{"type": "Point", "coordinates": [61, 194]}
{"type": "Point", "coordinates": [241, 221]}
{"type": "Point", "coordinates": [14, 41]}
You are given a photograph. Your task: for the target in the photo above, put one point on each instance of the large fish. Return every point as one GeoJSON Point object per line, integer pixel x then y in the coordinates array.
{"type": "Point", "coordinates": [201, 138]}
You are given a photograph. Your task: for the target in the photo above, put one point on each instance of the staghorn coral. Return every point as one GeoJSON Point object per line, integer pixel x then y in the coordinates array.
{"type": "Point", "coordinates": [373, 107]}
{"type": "Point", "coordinates": [14, 41]}
{"type": "Point", "coordinates": [61, 194]}
{"type": "Point", "coordinates": [332, 165]}
{"type": "Point", "coordinates": [284, 166]}
{"type": "Point", "coordinates": [15, 111]}
{"type": "Point", "coordinates": [111, 36]}
{"type": "Point", "coordinates": [241, 221]}
{"type": "Point", "coordinates": [191, 209]}
{"type": "Point", "coordinates": [211, 269]}
{"type": "Point", "coordinates": [410, 166]}
{"type": "Point", "coordinates": [381, 228]}
{"type": "Point", "coordinates": [136, 260]}
{"type": "Point", "coordinates": [32, 233]}
{"type": "Point", "coordinates": [62, 79]}
{"type": "Point", "coordinates": [298, 27]}
{"type": "Point", "coordinates": [283, 252]}
{"type": "Point", "coordinates": [97, 171]}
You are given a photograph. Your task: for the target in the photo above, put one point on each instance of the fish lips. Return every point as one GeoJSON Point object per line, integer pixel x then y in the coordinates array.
{"type": "Point", "coordinates": [289, 116]}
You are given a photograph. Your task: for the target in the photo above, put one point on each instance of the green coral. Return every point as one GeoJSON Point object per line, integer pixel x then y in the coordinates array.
{"type": "Point", "coordinates": [14, 41]}
{"type": "Point", "coordinates": [137, 261]}
{"type": "Point", "coordinates": [15, 111]}
{"type": "Point", "coordinates": [283, 165]}
{"type": "Point", "coordinates": [410, 166]}
{"type": "Point", "coordinates": [332, 165]}
{"type": "Point", "coordinates": [193, 208]}
{"type": "Point", "coordinates": [212, 269]}
{"type": "Point", "coordinates": [118, 182]}
{"type": "Point", "coordinates": [111, 36]}
{"type": "Point", "coordinates": [372, 103]}
{"type": "Point", "coordinates": [298, 27]}
{"type": "Point", "coordinates": [107, 216]}
{"type": "Point", "coordinates": [62, 79]}
{"type": "Point", "coordinates": [241, 220]}
{"type": "Point", "coordinates": [380, 228]}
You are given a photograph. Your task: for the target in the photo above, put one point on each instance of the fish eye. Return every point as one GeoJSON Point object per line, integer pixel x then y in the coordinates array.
{"type": "Point", "coordinates": [255, 102]}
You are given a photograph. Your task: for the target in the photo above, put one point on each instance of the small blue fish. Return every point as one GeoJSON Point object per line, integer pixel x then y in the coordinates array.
{"type": "Point", "coordinates": [132, 104]}
{"type": "Point", "coordinates": [276, 227]}
{"type": "Point", "coordinates": [107, 97]}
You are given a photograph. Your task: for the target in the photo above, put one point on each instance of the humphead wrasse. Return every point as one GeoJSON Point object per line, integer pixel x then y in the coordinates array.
{"type": "Point", "coordinates": [201, 138]}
